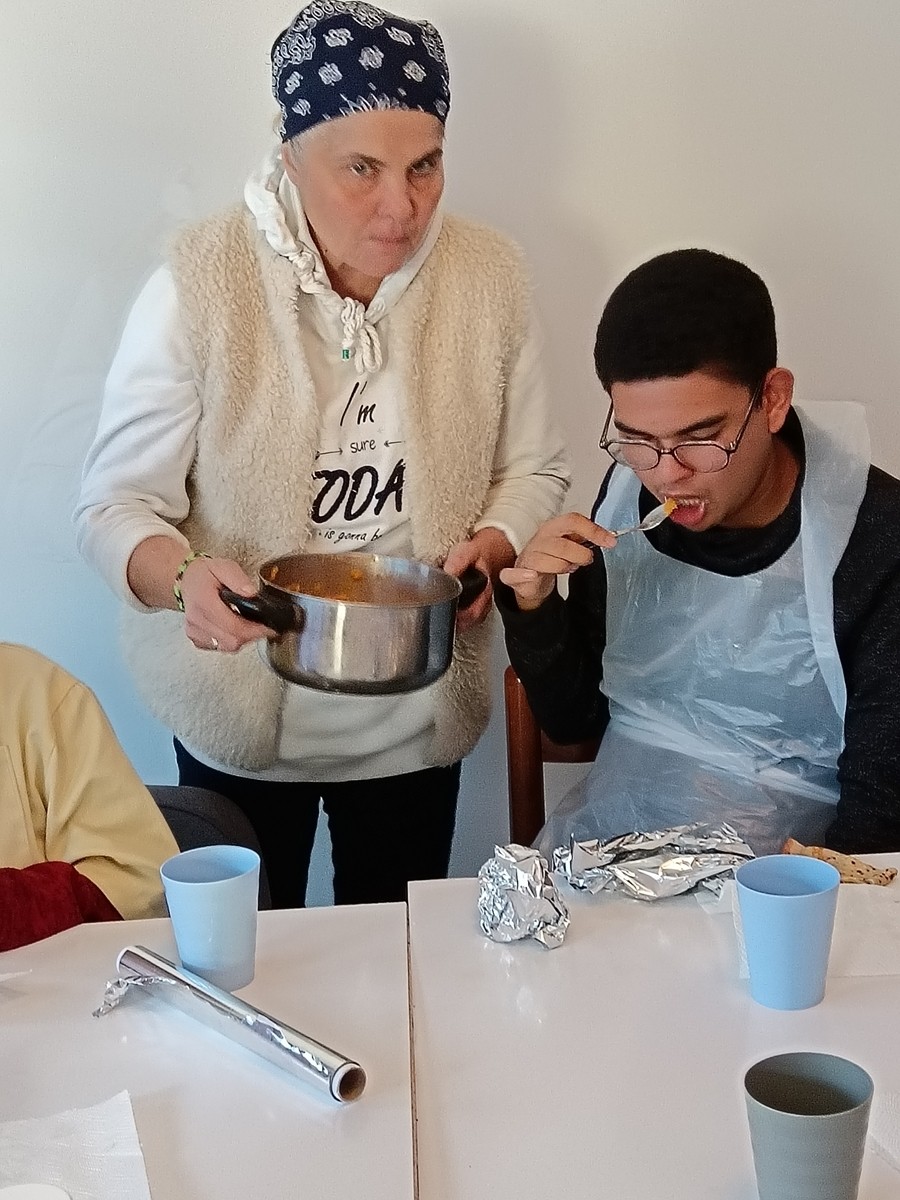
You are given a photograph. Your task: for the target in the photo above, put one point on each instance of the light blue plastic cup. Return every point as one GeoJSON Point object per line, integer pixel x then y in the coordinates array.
{"type": "Point", "coordinates": [787, 905]}
{"type": "Point", "coordinates": [212, 895]}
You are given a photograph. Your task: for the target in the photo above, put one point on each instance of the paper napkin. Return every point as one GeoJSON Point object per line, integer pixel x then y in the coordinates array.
{"type": "Point", "coordinates": [866, 939]}
{"type": "Point", "coordinates": [92, 1153]}
{"type": "Point", "coordinates": [884, 1127]}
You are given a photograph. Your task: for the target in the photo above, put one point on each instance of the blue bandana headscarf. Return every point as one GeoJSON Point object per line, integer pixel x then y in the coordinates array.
{"type": "Point", "coordinates": [339, 57]}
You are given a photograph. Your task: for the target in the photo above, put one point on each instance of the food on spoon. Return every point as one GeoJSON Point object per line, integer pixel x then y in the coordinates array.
{"type": "Point", "coordinates": [690, 511]}
{"type": "Point", "coordinates": [853, 870]}
{"type": "Point", "coordinates": [670, 506]}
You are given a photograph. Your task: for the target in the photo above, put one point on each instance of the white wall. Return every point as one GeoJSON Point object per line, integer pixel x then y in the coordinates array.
{"type": "Point", "coordinates": [597, 133]}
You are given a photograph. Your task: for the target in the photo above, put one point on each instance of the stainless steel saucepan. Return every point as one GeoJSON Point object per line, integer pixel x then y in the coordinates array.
{"type": "Point", "coordinates": [359, 623]}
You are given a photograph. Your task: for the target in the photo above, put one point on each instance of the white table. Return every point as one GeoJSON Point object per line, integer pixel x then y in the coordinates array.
{"type": "Point", "coordinates": [214, 1120]}
{"type": "Point", "coordinates": [611, 1067]}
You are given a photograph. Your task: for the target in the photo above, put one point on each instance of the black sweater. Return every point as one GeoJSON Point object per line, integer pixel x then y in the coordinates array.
{"type": "Point", "coordinates": [557, 650]}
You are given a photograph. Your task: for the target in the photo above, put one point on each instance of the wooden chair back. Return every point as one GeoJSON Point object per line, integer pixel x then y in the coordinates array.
{"type": "Point", "coordinates": [527, 749]}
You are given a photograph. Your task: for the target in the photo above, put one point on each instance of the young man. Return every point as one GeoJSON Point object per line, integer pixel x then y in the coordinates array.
{"type": "Point", "coordinates": [741, 659]}
{"type": "Point", "coordinates": [81, 838]}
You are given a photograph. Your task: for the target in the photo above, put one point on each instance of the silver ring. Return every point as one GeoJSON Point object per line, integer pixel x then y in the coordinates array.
{"type": "Point", "coordinates": [215, 643]}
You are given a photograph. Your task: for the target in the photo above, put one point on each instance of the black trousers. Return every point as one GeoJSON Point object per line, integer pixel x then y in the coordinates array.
{"type": "Point", "coordinates": [384, 832]}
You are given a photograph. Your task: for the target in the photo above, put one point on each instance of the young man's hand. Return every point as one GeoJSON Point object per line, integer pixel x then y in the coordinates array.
{"type": "Point", "coordinates": [559, 547]}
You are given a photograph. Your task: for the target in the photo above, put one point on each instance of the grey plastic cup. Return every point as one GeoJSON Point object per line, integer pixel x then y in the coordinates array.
{"type": "Point", "coordinates": [212, 894]}
{"type": "Point", "coordinates": [808, 1117]}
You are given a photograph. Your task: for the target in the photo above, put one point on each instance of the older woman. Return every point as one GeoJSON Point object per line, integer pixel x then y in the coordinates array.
{"type": "Point", "coordinates": [332, 365]}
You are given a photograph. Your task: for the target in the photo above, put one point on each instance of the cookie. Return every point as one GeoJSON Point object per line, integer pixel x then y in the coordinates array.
{"type": "Point", "coordinates": [853, 870]}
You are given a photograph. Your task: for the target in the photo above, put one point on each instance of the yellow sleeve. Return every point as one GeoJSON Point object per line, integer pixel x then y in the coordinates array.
{"type": "Point", "coordinates": [100, 817]}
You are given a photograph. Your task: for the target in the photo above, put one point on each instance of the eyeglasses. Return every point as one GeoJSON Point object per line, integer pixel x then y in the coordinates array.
{"type": "Point", "coordinates": [696, 456]}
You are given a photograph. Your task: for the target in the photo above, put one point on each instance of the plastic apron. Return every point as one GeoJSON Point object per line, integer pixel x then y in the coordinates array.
{"type": "Point", "coordinates": [726, 695]}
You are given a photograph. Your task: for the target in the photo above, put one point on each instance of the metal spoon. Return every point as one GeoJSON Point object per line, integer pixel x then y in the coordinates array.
{"type": "Point", "coordinates": [655, 517]}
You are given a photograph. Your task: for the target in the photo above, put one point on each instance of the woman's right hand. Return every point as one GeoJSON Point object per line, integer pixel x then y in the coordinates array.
{"type": "Point", "coordinates": [560, 546]}
{"type": "Point", "coordinates": [208, 621]}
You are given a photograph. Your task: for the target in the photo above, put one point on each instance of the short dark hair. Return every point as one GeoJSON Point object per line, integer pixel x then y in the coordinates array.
{"type": "Point", "coordinates": [688, 310]}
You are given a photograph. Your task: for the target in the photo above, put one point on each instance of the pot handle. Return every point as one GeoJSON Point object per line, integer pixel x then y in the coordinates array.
{"type": "Point", "coordinates": [473, 584]}
{"type": "Point", "coordinates": [279, 615]}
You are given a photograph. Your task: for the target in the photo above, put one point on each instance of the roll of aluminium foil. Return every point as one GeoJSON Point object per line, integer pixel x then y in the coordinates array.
{"type": "Point", "coordinates": [301, 1056]}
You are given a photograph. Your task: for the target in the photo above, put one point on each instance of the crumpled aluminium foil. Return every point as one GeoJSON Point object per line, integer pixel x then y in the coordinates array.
{"type": "Point", "coordinates": [519, 899]}
{"type": "Point", "coordinates": [652, 866]}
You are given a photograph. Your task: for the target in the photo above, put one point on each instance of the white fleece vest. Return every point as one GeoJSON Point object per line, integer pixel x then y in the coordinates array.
{"type": "Point", "coordinates": [454, 333]}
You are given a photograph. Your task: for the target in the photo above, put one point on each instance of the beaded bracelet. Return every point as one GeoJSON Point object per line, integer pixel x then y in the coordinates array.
{"type": "Point", "coordinates": [179, 575]}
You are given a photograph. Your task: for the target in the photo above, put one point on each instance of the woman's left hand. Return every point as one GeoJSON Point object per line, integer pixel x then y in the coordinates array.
{"type": "Point", "coordinates": [490, 551]}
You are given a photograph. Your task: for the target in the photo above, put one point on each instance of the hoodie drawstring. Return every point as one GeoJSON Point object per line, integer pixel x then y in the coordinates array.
{"type": "Point", "coordinates": [360, 338]}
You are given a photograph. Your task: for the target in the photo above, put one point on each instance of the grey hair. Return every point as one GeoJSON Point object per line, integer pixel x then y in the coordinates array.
{"type": "Point", "coordinates": [294, 146]}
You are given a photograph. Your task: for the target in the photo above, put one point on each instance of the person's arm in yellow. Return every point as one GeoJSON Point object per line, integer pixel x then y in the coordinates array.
{"type": "Point", "coordinates": [100, 817]}
{"type": "Point", "coordinates": [80, 800]}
